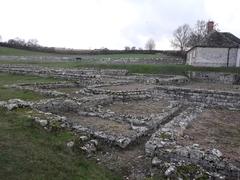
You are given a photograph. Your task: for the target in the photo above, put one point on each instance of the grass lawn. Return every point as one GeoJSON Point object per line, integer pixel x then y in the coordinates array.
{"type": "Point", "coordinates": [170, 69]}
{"type": "Point", "coordinates": [9, 93]}
{"type": "Point", "coordinates": [157, 68]}
{"type": "Point", "coordinates": [29, 152]}
{"type": "Point", "coordinates": [125, 55]}
{"type": "Point", "coordinates": [6, 78]}
{"type": "Point", "coordinates": [19, 52]}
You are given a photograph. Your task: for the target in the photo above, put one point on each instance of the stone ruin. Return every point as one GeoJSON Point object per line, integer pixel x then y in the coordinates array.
{"type": "Point", "coordinates": [112, 109]}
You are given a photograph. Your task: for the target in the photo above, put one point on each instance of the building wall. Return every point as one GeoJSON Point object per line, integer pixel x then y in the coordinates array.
{"type": "Point", "coordinates": [233, 57]}
{"type": "Point", "coordinates": [213, 57]}
{"type": "Point", "coordinates": [238, 58]}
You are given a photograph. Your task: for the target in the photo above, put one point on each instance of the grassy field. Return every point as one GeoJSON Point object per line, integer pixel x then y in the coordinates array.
{"type": "Point", "coordinates": [30, 153]}
{"type": "Point", "coordinates": [171, 69]}
{"type": "Point", "coordinates": [132, 68]}
{"type": "Point", "coordinates": [127, 55]}
{"type": "Point", "coordinates": [9, 93]}
{"type": "Point", "coordinates": [159, 69]}
{"type": "Point", "coordinates": [19, 52]}
{"type": "Point", "coordinates": [136, 68]}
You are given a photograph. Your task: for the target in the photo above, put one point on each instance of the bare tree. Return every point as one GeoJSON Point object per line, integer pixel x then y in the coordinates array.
{"type": "Point", "coordinates": [185, 36]}
{"type": "Point", "coordinates": [133, 48]}
{"type": "Point", "coordinates": [32, 43]}
{"type": "Point", "coordinates": [17, 42]}
{"type": "Point", "coordinates": [198, 33]}
{"type": "Point", "coordinates": [127, 48]}
{"type": "Point", "coordinates": [0, 38]}
{"type": "Point", "coordinates": [150, 45]}
{"type": "Point", "coordinates": [181, 37]}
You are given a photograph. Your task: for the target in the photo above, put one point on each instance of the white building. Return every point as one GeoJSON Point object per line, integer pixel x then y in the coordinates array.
{"type": "Point", "coordinates": [218, 49]}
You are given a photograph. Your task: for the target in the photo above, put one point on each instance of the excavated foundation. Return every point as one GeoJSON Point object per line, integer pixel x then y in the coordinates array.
{"type": "Point", "coordinates": [153, 122]}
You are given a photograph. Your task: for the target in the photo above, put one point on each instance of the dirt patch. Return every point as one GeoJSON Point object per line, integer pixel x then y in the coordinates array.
{"type": "Point", "coordinates": [145, 108]}
{"type": "Point", "coordinates": [129, 87]}
{"type": "Point", "coordinates": [216, 129]}
{"type": "Point", "coordinates": [100, 124]}
{"type": "Point", "coordinates": [131, 162]}
{"type": "Point", "coordinates": [213, 86]}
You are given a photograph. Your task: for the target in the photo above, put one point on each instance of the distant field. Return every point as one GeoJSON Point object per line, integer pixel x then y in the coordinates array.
{"type": "Point", "coordinates": [127, 55]}
{"type": "Point", "coordinates": [19, 52]}
{"type": "Point", "coordinates": [90, 62]}
{"type": "Point", "coordinates": [133, 68]}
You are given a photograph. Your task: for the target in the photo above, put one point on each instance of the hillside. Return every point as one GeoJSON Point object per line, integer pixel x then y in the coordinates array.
{"type": "Point", "coordinates": [4, 51]}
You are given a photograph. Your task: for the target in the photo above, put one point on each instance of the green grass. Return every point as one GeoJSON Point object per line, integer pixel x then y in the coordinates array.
{"type": "Point", "coordinates": [170, 69]}
{"type": "Point", "coordinates": [10, 93]}
{"type": "Point", "coordinates": [125, 55]}
{"type": "Point", "coordinates": [28, 152]}
{"type": "Point", "coordinates": [19, 52]}
{"type": "Point", "coordinates": [160, 69]}
{"type": "Point", "coordinates": [6, 78]}
{"type": "Point", "coordinates": [145, 68]}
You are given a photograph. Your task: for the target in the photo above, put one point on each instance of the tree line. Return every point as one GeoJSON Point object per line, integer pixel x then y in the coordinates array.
{"type": "Point", "coordinates": [31, 44]}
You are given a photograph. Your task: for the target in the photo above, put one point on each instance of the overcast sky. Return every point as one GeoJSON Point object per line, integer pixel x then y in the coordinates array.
{"type": "Point", "coordinates": [90, 24]}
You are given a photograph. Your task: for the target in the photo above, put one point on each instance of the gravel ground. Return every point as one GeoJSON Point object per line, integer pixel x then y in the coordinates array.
{"type": "Point", "coordinates": [218, 129]}
{"type": "Point", "coordinates": [145, 108]}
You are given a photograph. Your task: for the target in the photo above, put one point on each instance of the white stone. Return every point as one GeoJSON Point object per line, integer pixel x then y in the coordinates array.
{"type": "Point", "coordinates": [2, 103]}
{"type": "Point", "coordinates": [170, 170]}
{"type": "Point", "coordinates": [83, 138]}
{"type": "Point", "coordinates": [217, 153]}
{"type": "Point", "coordinates": [94, 141]}
{"type": "Point", "coordinates": [195, 145]}
{"type": "Point", "coordinates": [70, 144]}
{"type": "Point", "coordinates": [43, 122]}
{"type": "Point", "coordinates": [156, 161]}
{"type": "Point", "coordinates": [11, 106]}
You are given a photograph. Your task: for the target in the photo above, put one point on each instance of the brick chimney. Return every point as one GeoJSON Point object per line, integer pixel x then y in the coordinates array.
{"type": "Point", "coordinates": [210, 26]}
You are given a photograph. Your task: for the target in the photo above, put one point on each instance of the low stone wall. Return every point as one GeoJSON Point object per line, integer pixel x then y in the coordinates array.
{"type": "Point", "coordinates": [84, 77]}
{"type": "Point", "coordinates": [15, 103]}
{"type": "Point", "coordinates": [215, 77]}
{"type": "Point", "coordinates": [46, 89]}
{"type": "Point", "coordinates": [158, 79]}
{"type": "Point", "coordinates": [60, 105]}
{"type": "Point", "coordinates": [145, 61]}
{"type": "Point", "coordinates": [211, 98]}
{"type": "Point", "coordinates": [122, 95]}
{"type": "Point", "coordinates": [163, 147]}
{"type": "Point", "coordinates": [165, 136]}
{"type": "Point", "coordinates": [37, 58]}
{"type": "Point", "coordinates": [88, 77]}
{"type": "Point", "coordinates": [74, 74]}
{"type": "Point", "coordinates": [152, 121]}
{"type": "Point", "coordinates": [163, 59]}
{"type": "Point", "coordinates": [53, 85]}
